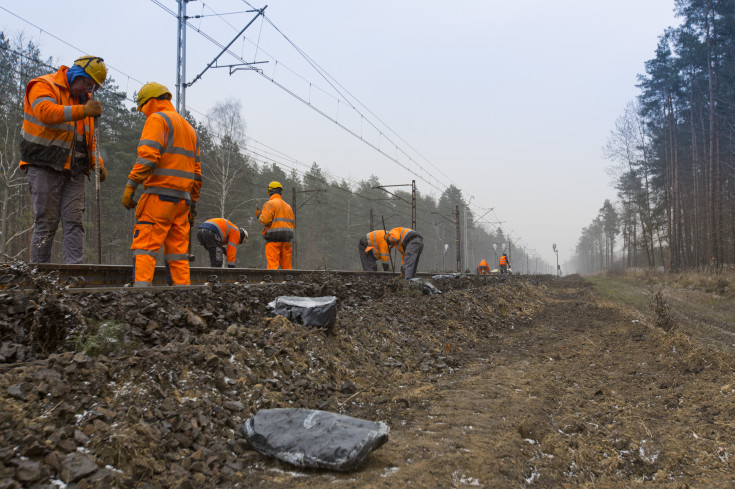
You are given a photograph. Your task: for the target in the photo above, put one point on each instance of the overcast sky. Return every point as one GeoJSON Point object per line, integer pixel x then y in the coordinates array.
{"type": "Point", "coordinates": [511, 101]}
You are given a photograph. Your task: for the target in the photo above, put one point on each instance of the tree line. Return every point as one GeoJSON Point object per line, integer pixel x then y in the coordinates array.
{"type": "Point", "coordinates": [674, 154]}
{"type": "Point", "coordinates": [331, 216]}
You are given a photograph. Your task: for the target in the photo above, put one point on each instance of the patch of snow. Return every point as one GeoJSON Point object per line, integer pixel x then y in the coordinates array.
{"type": "Point", "coordinates": [389, 471]}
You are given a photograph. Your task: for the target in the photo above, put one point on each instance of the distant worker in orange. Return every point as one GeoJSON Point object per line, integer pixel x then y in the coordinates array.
{"type": "Point", "coordinates": [410, 244]}
{"type": "Point", "coordinates": [219, 234]}
{"type": "Point", "coordinates": [279, 225]}
{"type": "Point", "coordinates": [168, 166]}
{"type": "Point", "coordinates": [503, 263]}
{"type": "Point", "coordinates": [483, 268]}
{"type": "Point", "coordinates": [372, 247]}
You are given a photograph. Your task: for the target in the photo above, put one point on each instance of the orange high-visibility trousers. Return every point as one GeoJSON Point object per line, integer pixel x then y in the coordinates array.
{"type": "Point", "coordinates": [278, 253]}
{"type": "Point", "coordinates": [161, 223]}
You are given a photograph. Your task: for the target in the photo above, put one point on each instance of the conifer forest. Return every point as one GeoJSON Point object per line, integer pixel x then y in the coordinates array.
{"type": "Point", "coordinates": [672, 154]}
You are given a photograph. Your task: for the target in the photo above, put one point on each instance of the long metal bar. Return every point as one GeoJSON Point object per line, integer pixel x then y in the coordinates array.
{"type": "Point", "coordinates": [97, 187]}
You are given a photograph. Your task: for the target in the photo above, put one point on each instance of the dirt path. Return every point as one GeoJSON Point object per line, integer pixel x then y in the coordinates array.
{"type": "Point", "coordinates": [582, 396]}
{"type": "Point", "coordinates": [495, 383]}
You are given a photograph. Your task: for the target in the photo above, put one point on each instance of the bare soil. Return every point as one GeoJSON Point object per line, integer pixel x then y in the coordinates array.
{"type": "Point", "coordinates": [494, 383]}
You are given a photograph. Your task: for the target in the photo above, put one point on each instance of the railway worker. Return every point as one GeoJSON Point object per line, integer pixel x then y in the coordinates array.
{"type": "Point", "coordinates": [168, 167]}
{"type": "Point", "coordinates": [372, 247]}
{"type": "Point", "coordinates": [219, 234]}
{"type": "Point", "coordinates": [503, 263]}
{"type": "Point", "coordinates": [57, 150]}
{"type": "Point", "coordinates": [483, 268]}
{"type": "Point", "coordinates": [279, 225]}
{"type": "Point", "coordinates": [410, 244]}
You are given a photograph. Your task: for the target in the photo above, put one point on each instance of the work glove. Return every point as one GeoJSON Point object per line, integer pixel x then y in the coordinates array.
{"type": "Point", "coordinates": [386, 267]}
{"type": "Point", "coordinates": [257, 212]}
{"type": "Point", "coordinates": [127, 198]}
{"type": "Point", "coordinates": [192, 212]}
{"type": "Point", "coordinates": [93, 108]}
{"type": "Point", "coordinates": [103, 174]}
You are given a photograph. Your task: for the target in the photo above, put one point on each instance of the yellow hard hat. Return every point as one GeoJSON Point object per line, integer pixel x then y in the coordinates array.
{"type": "Point", "coordinates": [94, 66]}
{"type": "Point", "coordinates": [149, 91]}
{"type": "Point", "coordinates": [274, 185]}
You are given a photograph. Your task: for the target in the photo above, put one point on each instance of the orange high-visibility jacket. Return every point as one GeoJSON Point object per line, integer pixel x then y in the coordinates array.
{"type": "Point", "coordinates": [168, 154]}
{"type": "Point", "coordinates": [483, 264]}
{"type": "Point", "coordinates": [278, 220]}
{"type": "Point", "coordinates": [377, 242]}
{"type": "Point", "coordinates": [398, 237]}
{"type": "Point", "coordinates": [54, 124]}
{"type": "Point", "coordinates": [503, 260]}
{"type": "Point", "coordinates": [229, 235]}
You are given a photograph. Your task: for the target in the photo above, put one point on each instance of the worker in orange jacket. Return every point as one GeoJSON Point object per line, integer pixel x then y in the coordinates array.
{"type": "Point", "coordinates": [372, 247]}
{"type": "Point", "coordinates": [279, 225]}
{"type": "Point", "coordinates": [503, 263]}
{"type": "Point", "coordinates": [483, 268]}
{"type": "Point", "coordinates": [410, 244]}
{"type": "Point", "coordinates": [168, 166]}
{"type": "Point", "coordinates": [216, 235]}
{"type": "Point", "coordinates": [57, 150]}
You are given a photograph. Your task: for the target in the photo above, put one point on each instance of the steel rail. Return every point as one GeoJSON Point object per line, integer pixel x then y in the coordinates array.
{"type": "Point", "coordinates": [92, 276]}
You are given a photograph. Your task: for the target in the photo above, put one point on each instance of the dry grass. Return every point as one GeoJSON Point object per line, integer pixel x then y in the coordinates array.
{"type": "Point", "coordinates": [718, 282]}
{"type": "Point", "coordinates": [700, 303]}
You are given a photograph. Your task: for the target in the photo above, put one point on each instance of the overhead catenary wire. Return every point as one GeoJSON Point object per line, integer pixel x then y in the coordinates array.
{"type": "Point", "coordinates": [423, 177]}
{"type": "Point", "coordinates": [265, 158]}
{"type": "Point", "coordinates": [275, 161]}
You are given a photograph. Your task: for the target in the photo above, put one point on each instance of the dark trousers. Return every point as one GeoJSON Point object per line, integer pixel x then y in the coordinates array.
{"type": "Point", "coordinates": [212, 243]}
{"type": "Point", "coordinates": [56, 197]}
{"type": "Point", "coordinates": [369, 263]}
{"type": "Point", "coordinates": [411, 255]}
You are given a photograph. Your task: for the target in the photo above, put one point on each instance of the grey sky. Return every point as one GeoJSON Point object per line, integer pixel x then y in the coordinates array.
{"type": "Point", "coordinates": [509, 100]}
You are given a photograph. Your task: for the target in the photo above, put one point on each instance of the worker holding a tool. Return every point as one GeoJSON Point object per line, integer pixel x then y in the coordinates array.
{"type": "Point", "coordinates": [483, 268]}
{"type": "Point", "coordinates": [410, 244]}
{"type": "Point", "coordinates": [57, 149]}
{"type": "Point", "coordinates": [219, 234]}
{"type": "Point", "coordinates": [372, 247]}
{"type": "Point", "coordinates": [279, 225]}
{"type": "Point", "coordinates": [168, 166]}
{"type": "Point", "coordinates": [503, 263]}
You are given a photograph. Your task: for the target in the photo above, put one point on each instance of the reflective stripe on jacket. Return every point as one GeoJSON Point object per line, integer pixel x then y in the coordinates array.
{"type": "Point", "coordinates": [376, 241]}
{"type": "Point", "coordinates": [54, 125]}
{"type": "Point", "coordinates": [400, 237]}
{"type": "Point", "coordinates": [228, 233]}
{"type": "Point", "coordinates": [503, 260]}
{"type": "Point", "coordinates": [168, 154]}
{"type": "Point", "coordinates": [278, 220]}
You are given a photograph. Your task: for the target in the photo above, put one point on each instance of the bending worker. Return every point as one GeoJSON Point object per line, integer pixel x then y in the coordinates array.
{"type": "Point", "coordinates": [279, 224]}
{"type": "Point", "coordinates": [216, 235]}
{"type": "Point", "coordinates": [373, 246]}
{"type": "Point", "coordinates": [168, 167]}
{"type": "Point", "coordinates": [56, 152]}
{"type": "Point", "coordinates": [483, 268]}
{"type": "Point", "coordinates": [410, 244]}
{"type": "Point", "coordinates": [503, 263]}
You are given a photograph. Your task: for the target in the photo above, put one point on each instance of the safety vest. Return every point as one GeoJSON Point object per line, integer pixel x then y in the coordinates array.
{"type": "Point", "coordinates": [278, 220]}
{"type": "Point", "coordinates": [228, 233]}
{"type": "Point", "coordinates": [503, 260]}
{"type": "Point", "coordinates": [168, 154]}
{"type": "Point", "coordinates": [54, 127]}
{"type": "Point", "coordinates": [483, 264]}
{"type": "Point", "coordinates": [400, 237]}
{"type": "Point", "coordinates": [376, 241]}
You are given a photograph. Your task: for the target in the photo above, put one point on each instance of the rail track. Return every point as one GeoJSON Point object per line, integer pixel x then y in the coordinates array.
{"type": "Point", "coordinates": [88, 277]}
